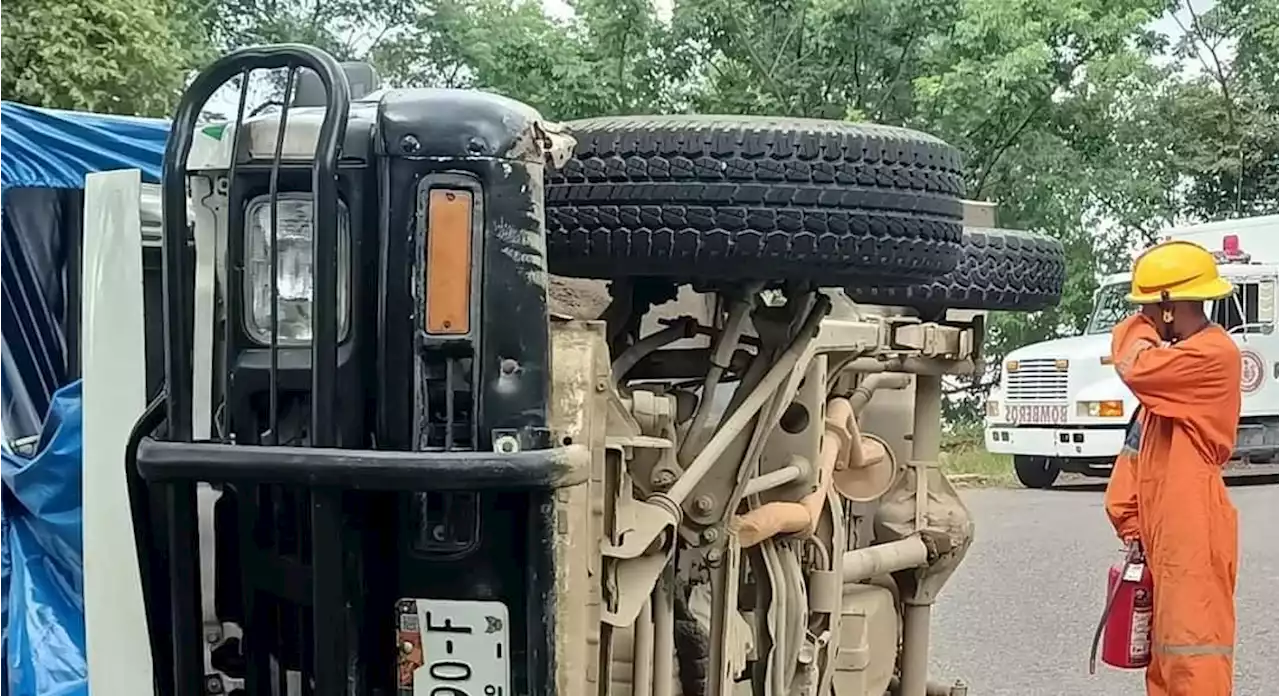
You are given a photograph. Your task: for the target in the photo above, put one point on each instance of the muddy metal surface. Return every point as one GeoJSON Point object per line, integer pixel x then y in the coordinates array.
{"type": "Point", "coordinates": [1018, 616]}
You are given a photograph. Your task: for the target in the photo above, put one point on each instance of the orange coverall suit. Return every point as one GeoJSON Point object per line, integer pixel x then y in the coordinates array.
{"type": "Point", "coordinates": [1170, 495]}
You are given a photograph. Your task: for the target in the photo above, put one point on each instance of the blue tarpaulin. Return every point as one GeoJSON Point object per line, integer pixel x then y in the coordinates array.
{"type": "Point", "coordinates": [43, 578]}
{"type": "Point", "coordinates": [44, 157]}
{"type": "Point", "coordinates": [46, 154]}
{"type": "Point", "coordinates": [47, 148]}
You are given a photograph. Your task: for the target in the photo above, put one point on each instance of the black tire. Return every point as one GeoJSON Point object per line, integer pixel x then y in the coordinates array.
{"type": "Point", "coordinates": [1036, 472]}
{"type": "Point", "coordinates": [737, 197]}
{"type": "Point", "coordinates": [1007, 270]}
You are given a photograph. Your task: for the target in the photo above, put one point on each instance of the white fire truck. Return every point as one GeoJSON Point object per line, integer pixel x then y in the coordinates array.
{"type": "Point", "coordinates": [1061, 407]}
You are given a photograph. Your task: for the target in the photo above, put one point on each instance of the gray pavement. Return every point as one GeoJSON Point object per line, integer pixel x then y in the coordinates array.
{"type": "Point", "coordinates": [1018, 616]}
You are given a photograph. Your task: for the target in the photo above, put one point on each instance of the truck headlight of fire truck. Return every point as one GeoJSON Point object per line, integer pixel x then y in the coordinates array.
{"type": "Point", "coordinates": [293, 278]}
{"type": "Point", "coordinates": [1100, 409]}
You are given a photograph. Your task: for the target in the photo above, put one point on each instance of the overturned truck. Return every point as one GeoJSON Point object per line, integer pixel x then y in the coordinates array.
{"type": "Point", "coordinates": [382, 464]}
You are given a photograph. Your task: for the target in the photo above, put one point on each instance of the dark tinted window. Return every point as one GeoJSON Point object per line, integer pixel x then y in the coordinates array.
{"type": "Point", "coordinates": [1239, 313]}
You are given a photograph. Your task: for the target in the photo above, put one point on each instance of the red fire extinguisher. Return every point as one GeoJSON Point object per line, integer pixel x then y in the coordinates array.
{"type": "Point", "coordinates": [1125, 626]}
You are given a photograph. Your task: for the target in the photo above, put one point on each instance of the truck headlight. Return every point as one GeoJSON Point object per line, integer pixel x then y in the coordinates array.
{"type": "Point", "coordinates": [293, 278]}
{"type": "Point", "coordinates": [1100, 409]}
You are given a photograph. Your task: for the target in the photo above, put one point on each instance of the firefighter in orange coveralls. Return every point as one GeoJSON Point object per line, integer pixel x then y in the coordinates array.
{"type": "Point", "coordinates": [1166, 491]}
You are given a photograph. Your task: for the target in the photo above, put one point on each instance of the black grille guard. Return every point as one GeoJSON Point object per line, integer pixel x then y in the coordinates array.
{"type": "Point", "coordinates": [370, 470]}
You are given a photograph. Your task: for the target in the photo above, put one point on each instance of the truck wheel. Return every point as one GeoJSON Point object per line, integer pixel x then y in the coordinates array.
{"type": "Point", "coordinates": [1035, 472]}
{"type": "Point", "coordinates": [737, 197]}
{"type": "Point", "coordinates": [999, 269]}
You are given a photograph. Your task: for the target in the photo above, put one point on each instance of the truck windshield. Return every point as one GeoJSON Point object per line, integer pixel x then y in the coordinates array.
{"type": "Point", "coordinates": [1110, 308]}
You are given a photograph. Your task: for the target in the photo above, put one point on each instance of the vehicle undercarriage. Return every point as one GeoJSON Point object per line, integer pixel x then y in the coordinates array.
{"type": "Point", "coordinates": [723, 479]}
{"type": "Point", "coordinates": [777, 548]}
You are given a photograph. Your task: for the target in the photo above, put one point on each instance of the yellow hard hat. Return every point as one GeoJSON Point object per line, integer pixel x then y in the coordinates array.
{"type": "Point", "coordinates": [1177, 271]}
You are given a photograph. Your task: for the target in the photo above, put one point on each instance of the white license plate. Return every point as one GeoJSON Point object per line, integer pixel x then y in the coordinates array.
{"type": "Point", "coordinates": [453, 648]}
{"type": "Point", "coordinates": [1036, 414]}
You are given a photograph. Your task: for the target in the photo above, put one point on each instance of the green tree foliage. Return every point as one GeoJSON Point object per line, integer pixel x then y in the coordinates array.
{"type": "Point", "coordinates": [1226, 115]}
{"type": "Point", "coordinates": [345, 28]}
{"type": "Point", "coordinates": [613, 57]}
{"type": "Point", "coordinates": [109, 56]}
{"type": "Point", "coordinates": [1077, 118]}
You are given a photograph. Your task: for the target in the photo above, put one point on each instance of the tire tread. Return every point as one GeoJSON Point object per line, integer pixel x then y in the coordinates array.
{"type": "Point", "coordinates": [1010, 270]}
{"type": "Point", "coordinates": [748, 197]}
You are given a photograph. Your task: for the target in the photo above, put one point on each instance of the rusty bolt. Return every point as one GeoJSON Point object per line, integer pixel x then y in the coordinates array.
{"type": "Point", "coordinates": [601, 386]}
{"type": "Point", "coordinates": [410, 144]}
{"type": "Point", "coordinates": [703, 504]}
{"type": "Point", "coordinates": [714, 556]}
{"type": "Point", "coordinates": [710, 535]}
{"type": "Point", "coordinates": [213, 684]}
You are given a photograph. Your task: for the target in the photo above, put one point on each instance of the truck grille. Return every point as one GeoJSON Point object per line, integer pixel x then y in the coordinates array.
{"type": "Point", "coordinates": [447, 524]}
{"type": "Point", "coordinates": [1036, 380]}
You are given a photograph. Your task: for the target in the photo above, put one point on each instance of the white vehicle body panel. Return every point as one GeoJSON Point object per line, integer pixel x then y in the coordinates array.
{"type": "Point", "coordinates": [122, 213]}
{"type": "Point", "coordinates": [1039, 382]}
{"type": "Point", "coordinates": [1259, 236]}
{"type": "Point", "coordinates": [114, 373]}
{"type": "Point", "coordinates": [1037, 409]}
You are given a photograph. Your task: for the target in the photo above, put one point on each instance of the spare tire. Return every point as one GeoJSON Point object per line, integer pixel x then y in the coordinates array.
{"type": "Point", "coordinates": [999, 269]}
{"type": "Point", "coordinates": [737, 197]}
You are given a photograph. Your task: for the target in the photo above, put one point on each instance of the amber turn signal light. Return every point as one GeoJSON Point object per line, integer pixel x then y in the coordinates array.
{"type": "Point", "coordinates": [448, 263]}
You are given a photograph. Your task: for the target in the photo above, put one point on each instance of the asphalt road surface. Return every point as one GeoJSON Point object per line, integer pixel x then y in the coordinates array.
{"type": "Point", "coordinates": [1018, 616]}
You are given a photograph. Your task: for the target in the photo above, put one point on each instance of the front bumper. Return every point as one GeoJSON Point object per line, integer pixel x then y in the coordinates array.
{"type": "Point", "coordinates": [359, 563]}
{"type": "Point", "coordinates": [1057, 443]}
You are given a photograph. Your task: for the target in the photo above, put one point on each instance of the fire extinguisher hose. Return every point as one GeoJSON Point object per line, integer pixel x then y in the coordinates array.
{"type": "Point", "coordinates": [1102, 624]}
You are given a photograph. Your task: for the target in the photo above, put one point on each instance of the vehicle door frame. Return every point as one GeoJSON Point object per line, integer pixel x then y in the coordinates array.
{"type": "Point", "coordinates": [1262, 348]}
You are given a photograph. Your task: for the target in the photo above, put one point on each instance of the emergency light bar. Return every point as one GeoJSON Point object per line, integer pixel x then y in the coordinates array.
{"type": "Point", "coordinates": [1231, 252]}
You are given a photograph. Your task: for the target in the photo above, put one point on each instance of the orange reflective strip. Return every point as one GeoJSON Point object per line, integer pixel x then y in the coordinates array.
{"type": "Point", "coordinates": [1195, 649]}
{"type": "Point", "coordinates": [448, 262]}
